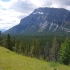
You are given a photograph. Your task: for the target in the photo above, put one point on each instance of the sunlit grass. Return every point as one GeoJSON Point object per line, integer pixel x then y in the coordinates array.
{"type": "Point", "coordinates": [12, 61]}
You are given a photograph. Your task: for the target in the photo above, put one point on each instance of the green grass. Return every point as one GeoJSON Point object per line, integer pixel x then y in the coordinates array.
{"type": "Point", "coordinates": [12, 61]}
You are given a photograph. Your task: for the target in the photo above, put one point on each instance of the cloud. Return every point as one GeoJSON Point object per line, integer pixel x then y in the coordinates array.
{"type": "Point", "coordinates": [24, 6]}
{"type": "Point", "coordinates": [11, 11]}
{"type": "Point", "coordinates": [9, 17]}
{"type": "Point", "coordinates": [64, 2]}
{"type": "Point", "coordinates": [27, 6]}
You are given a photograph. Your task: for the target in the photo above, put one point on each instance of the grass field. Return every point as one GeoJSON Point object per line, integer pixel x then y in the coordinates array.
{"type": "Point", "coordinates": [12, 61]}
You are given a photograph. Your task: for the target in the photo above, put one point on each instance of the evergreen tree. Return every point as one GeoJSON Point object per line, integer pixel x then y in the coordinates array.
{"type": "Point", "coordinates": [47, 51]}
{"type": "Point", "coordinates": [0, 32]}
{"type": "Point", "coordinates": [54, 50]}
{"type": "Point", "coordinates": [16, 47]}
{"type": "Point", "coordinates": [65, 52]}
{"type": "Point", "coordinates": [8, 42]}
{"type": "Point", "coordinates": [37, 48]}
{"type": "Point", "coordinates": [21, 47]}
{"type": "Point", "coordinates": [32, 49]}
{"type": "Point", "coordinates": [28, 48]}
{"type": "Point", "coordinates": [1, 39]}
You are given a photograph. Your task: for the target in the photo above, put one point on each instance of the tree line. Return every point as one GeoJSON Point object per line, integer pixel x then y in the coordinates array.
{"type": "Point", "coordinates": [50, 51]}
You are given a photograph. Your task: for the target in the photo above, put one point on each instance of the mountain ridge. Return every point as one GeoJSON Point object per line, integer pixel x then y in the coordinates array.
{"type": "Point", "coordinates": [44, 21]}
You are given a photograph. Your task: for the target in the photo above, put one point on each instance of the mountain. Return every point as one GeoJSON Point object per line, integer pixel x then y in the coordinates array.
{"type": "Point", "coordinates": [2, 30]}
{"type": "Point", "coordinates": [44, 21]}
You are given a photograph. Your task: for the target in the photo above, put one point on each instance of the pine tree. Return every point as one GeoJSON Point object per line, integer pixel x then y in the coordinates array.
{"type": "Point", "coordinates": [21, 47]}
{"type": "Point", "coordinates": [1, 39]}
{"type": "Point", "coordinates": [54, 50]}
{"type": "Point", "coordinates": [37, 48]}
{"type": "Point", "coordinates": [16, 47]}
{"type": "Point", "coordinates": [47, 51]}
{"type": "Point", "coordinates": [8, 42]}
{"type": "Point", "coordinates": [32, 48]}
{"type": "Point", "coordinates": [65, 52]}
{"type": "Point", "coordinates": [0, 32]}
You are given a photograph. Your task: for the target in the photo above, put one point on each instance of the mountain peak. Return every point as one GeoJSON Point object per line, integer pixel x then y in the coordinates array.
{"type": "Point", "coordinates": [48, 9]}
{"type": "Point", "coordinates": [44, 20]}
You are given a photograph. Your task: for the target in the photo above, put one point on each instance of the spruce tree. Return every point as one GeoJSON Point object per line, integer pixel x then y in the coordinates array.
{"type": "Point", "coordinates": [54, 50]}
{"type": "Point", "coordinates": [1, 39]}
{"type": "Point", "coordinates": [32, 48]}
{"type": "Point", "coordinates": [37, 48]}
{"type": "Point", "coordinates": [65, 52]}
{"type": "Point", "coordinates": [16, 47]}
{"type": "Point", "coordinates": [0, 32]}
{"type": "Point", "coordinates": [47, 51]}
{"type": "Point", "coordinates": [8, 42]}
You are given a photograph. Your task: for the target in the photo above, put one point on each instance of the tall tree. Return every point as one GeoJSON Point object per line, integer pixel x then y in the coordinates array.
{"type": "Point", "coordinates": [35, 49]}
{"type": "Point", "coordinates": [16, 47]}
{"type": "Point", "coordinates": [22, 47]}
{"type": "Point", "coordinates": [32, 48]}
{"type": "Point", "coordinates": [8, 42]}
{"type": "Point", "coordinates": [1, 39]}
{"type": "Point", "coordinates": [0, 32]}
{"type": "Point", "coordinates": [65, 52]}
{"type": "Point", "coordinates": [54, 50]}
{"type": "Point", "coordinates": [47, 51]}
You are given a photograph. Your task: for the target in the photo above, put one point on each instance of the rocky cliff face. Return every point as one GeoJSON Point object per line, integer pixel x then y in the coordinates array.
{"type": "Point", "coordinates": [44, 21]}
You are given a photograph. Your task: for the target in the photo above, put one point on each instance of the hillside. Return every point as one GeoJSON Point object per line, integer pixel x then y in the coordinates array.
{"type": "Point", "coordinates": [44, 21]}
{"type": "Point", "coordinates": [12, 61]}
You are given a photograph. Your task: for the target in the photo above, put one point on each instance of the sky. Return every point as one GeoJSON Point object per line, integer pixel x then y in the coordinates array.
{"type": "Point", "coordinates": [12, 11]}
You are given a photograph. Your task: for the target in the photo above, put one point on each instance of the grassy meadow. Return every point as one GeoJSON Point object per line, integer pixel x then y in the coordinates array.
{"type": "Point", "coordinates": [12, 61]}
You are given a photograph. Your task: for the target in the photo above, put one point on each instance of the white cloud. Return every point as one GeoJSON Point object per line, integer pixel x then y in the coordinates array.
{"type": "Point", "coordinates": [12, 11]}
{"type": "Point", "coordinates": [9, 18]}
{"type": "Point", "coordinates": [41, 3]}
{"type": "Point", "coordinates": [7, 5]}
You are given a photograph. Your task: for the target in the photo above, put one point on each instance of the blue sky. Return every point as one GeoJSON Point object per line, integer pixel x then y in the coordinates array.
{"type": "Point", "coordinates": [12, 11]}
{"type": "Point", "coordinates": [5, 0]}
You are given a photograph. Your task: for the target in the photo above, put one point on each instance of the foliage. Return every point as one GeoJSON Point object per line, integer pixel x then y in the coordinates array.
{"type": "Point", "coordinates": [65, 52]}
{"type": "Point", "coordinates": [54, 50]}
{"type": "Point", "coordinates": [41, 47]}
{"type": "Point", "coordinates": [8, 42]}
